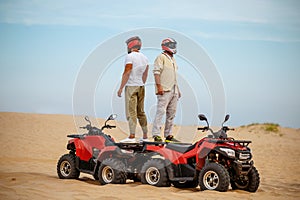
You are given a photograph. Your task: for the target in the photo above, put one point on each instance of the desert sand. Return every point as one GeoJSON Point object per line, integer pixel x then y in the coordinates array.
{"type": "Point", "coordinates": [31, 144]}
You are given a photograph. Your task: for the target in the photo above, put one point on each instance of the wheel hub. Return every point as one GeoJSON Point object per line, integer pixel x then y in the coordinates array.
{"type": "Point", "coordinates": [65, 168]}
{"type": "Point", "coordinates": [152, 175]}
{"type": "Point", "coordinates": [107, 174]}
{"type": "Point", "coordinates": [211, 180]}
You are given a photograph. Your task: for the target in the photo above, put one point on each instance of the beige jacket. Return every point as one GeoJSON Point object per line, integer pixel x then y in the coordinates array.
{"type": "Point", "coordinates": [166, 67]}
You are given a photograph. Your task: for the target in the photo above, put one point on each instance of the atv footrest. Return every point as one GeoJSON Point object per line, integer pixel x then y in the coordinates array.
{"type": "Point", "coordinates": [182, 179]}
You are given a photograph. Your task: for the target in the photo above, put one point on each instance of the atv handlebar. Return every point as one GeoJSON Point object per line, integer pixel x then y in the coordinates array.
{"type": "Point", "coordinates": [108, 127]}
{"type": "Point", "coordinates": [203, 128]}
{"type": "Point", "coordinates": [87, 127]}
{"type": "Point", "coordinates": [218, 134]}
{"type": "Point", "coordinates": [226, 128]}
{"type": "Point", "coordinates": [92, 130]}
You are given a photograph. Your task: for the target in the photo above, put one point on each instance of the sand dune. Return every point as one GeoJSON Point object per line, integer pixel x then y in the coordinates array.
{"type": "Point", "coordinates": [32, 143]}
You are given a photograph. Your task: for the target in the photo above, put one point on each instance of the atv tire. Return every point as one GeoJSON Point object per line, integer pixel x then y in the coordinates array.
{"type": "Point", "coordinates": [154, 173]}
{"type": "Point", "coordinates": [66, 167]}
{"type": "Point", "coordinates": [112, 170]}
{"type": "Point", "coordinates": [214, 176]}
{"type": "Point", "coordinates": [249, 183]}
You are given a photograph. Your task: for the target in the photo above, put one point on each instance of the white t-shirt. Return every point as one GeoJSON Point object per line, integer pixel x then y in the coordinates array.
{"type": "Point", "coordinates": [139, 64]}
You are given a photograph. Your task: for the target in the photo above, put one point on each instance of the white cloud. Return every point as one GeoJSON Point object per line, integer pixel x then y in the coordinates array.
{"type": "Point", "coordinates": [124, 15]}
{"type": "Point", "coordinates": [82, 12]}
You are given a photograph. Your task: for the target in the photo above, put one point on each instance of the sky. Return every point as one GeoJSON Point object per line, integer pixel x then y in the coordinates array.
{"type": "Point", "coordinates": [254, 45]}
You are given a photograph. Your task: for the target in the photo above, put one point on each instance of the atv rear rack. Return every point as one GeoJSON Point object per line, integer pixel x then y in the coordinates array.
{"type": "Point", "coordinates": [79, 136]}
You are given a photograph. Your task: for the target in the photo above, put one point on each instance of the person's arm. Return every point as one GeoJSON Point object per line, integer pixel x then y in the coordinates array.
{"type": "Point", "coordinates": [145, 74]}
{"type": "Point", "coordinates": [160, 90]}
{"type": "Point", "coordinates": [179, 93]}
{"type": "Point", "coordinates": [125, 77]}
{"type": "Point", "coordinates": [158, 67]}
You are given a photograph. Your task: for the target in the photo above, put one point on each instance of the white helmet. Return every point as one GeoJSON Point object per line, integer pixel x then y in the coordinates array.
{"type": "Point", "coordinates": [133, 43]}
{"type": "Point", "coordinates": [169, 44]}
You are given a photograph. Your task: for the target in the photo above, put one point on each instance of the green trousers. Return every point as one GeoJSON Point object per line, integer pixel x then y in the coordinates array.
{"type": "Point", "coordinates": [134, 107]}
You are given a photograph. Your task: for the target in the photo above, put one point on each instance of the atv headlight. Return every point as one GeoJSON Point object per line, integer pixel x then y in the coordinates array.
{"type": "Point", "coordinates": [229, 152]}
{"type": "Point", "coordinates": [244, 155]}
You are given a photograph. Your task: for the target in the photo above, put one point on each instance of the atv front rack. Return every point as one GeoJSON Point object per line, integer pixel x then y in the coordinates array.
{"type": "Point", "coordinates": [243, 143]}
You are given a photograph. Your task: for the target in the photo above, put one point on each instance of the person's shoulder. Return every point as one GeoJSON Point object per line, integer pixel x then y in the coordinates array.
{"type": "Point", "coordinates": [143, 55]}
{"type": "Point", "coordinates": [161, 57]}
{"type": "Point", "coordinates": [128, 55]}
{"type": "Point", "coordinates": [131, 55]}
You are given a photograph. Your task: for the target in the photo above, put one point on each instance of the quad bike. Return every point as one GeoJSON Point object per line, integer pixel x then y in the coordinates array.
{"type": "Point", "coordinates": [213, 163]}
{"type": "Point", "coordinates": [84, 150]}
{"type": "Point", "coordinates": [97, 154]}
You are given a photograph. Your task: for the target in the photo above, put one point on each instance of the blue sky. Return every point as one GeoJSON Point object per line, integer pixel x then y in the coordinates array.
{"type": "Point", "coordinates": [255, 46]}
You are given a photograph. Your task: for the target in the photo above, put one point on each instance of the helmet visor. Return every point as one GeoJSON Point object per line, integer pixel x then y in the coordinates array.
{"type": "Point", "coordinates": [171, 45]}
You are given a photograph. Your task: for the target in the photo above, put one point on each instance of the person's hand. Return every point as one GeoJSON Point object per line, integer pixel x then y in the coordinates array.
{"type": "Point", "coordinates": [120, 92]}
{"type": "Point", "coordinates": [160, 90]}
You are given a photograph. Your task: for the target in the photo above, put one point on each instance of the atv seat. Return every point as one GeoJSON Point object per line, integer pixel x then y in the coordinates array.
{"type": "Point", "coordinates": [182, 148]}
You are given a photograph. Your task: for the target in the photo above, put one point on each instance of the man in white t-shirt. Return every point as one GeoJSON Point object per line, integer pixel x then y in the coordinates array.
{"type": "Point", "coordinates": [133, 79]}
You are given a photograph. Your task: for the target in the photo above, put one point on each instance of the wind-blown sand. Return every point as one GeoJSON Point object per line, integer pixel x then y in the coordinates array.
{"type": "Point", "coordinates": [31, 144]}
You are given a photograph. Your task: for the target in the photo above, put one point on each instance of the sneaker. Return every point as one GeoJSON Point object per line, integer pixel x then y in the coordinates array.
{"type": "Point", "coordinates": [157, 138]}
{"type": "Point", "coordinates": [170, 138]}
{"type": "Point", "coordinates": [144, 140]}
{"type": "Point", "coordinates": [128, 140]}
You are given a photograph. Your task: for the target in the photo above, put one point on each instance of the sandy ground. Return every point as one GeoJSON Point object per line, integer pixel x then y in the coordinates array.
{"type": "Point", "coordinates": [31, 145]}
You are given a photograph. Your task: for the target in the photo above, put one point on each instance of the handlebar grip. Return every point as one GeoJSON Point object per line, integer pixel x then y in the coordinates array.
{"type": "Point", "coordinates": [83, 127]}
{"type": "Point", "coordinates": [202, 128]}
{"type": "Point", "coordinates": [112, 126]}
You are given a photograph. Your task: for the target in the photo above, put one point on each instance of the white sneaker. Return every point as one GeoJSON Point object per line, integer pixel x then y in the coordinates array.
{"type": "Point", "coordinates": [128, 140]}
{"type": "Point", "coordinates": [144, 140]}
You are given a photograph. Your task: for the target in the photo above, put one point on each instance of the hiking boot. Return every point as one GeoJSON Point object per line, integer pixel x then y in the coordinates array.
{"type": "Point", "coordinates": [157, 138]}
{"type": "Point", "coordinates": [170, 138]}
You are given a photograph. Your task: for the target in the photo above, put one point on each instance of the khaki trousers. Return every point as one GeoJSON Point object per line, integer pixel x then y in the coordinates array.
{"type": "Point", "coordinates": [166, 105]}
{"type": "Point", "coordinates": [134, 107]}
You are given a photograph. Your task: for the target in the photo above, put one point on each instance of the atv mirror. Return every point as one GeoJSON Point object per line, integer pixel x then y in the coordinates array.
{"type": "Point", "coordinates": [87, 119]}
{"type": "Point", "coordinates": [226, 118]}
{"type": "Point", "coordinates": [112, 117]}
{"type": "Point", "coordinates": [202, 117]}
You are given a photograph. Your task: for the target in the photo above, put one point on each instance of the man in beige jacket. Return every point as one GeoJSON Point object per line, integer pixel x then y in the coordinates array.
{"type": "Point", "coordinates": [167, 91]}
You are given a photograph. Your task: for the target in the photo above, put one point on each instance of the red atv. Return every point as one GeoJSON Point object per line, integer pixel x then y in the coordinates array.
{"type": "Point", "coordinates": [213, 163]}
{"type": "Point", "coordinates": [84, 150]}
{"type": "Point", "coordinates": [98, 154]}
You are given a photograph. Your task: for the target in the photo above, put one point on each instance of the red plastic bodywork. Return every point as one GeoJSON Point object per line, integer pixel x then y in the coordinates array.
{"type": "Point", "coordinates": [84, 149]}
{"type": "Point", "coordinates": [84, 146]}
{"type": "Point", "coordinates": [200, 151]}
